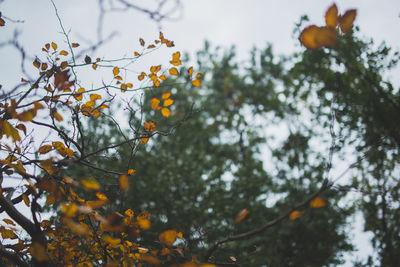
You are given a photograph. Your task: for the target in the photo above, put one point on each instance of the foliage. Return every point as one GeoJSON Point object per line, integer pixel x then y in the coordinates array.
{"type": "Point", "coordinates": [124, 194]}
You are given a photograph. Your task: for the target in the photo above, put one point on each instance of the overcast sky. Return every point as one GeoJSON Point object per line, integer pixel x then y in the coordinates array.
{"type": "Point", "coordinates": [243, 23]}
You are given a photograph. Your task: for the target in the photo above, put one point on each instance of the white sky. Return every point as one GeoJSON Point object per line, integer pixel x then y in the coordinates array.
{"type": "Point", "coordinates": [223, 22]}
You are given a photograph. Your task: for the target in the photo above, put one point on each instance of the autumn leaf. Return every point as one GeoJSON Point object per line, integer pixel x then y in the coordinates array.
{"type": "Point", "coordinates": [331, 16]}
{"type": "Point", "coordinates": [165, 112]}
{"type": "Point", "coordinates": [63, 53]}
{"type": "Point", "coordinates": [314, 37]}
{"type": "Point", "coordinates": [90, 184]}
{"type": "Point", "coordinates": [150, 126]}
{"type": "Point", "coordinates": [176, 61]}
{"type": "Point", "coordinates": [346, 21]}
{"type": "Point", "coordinates": [45, 149]}
{"type": "Point", "coordinates": [196, 83]}
{"type": "Point", "coordinates": [123, 182]}
{"type": "Point", "coordinates": [317, 202]}
{"type": "Point", "coordinates": [295, 214]}
{"type": "Point", "coordinates": [115, 71]}
{"type": "Point", "coordinates": [174, 71]}
{"type": "Point", "coordinates": [242, 214]}
{"type": "Point", "coordinates": [168, 237]}
{"type": "Point", "coordinates": [168, 102]}
{"type": "Point", "coordinates": [74, 45]}
{"type": "Point", "coordinates": [154, 103]}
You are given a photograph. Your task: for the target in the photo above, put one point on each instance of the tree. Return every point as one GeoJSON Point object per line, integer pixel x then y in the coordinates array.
{"type": "Point", "coordinates": [211, 157]}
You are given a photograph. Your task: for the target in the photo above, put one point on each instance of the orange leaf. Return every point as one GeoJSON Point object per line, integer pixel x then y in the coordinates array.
{"type": "Point", "coordinates": [190, 71]}
{"type": "Point", "coordinates": [136, 54]}
{"type": "Point", "coordinates": [314, 37]}
{"type": "Point", "coordinates": [165, 95]}
{"type": "Point", "coordinates": [295, 214]}
{"type": "Point", "coordinates": [150, 126]}
{"type": "Point", "coordinates": [94, 66]}
{"type": "Point", "coordinates": [63, 53]}
{"type": "Point", "coordinates": [2, 22]}
{"type": "Point", "coordinates": [165, 112]}
{"type": "Point", "coordinates": [154, 103]}
{"type": "Point", "coordinates": [196, 83]}
{"type": "Point", "coordinates": [115, 71]}
{"type": "Point", "coordinates": [331, 16]}
{"type": "Point", "coordinates": [242, 214]}
{"type": "Point", "coordinates": [176, 59]}
{"type": "Point", "coordinates": [141, 41]}
{"type": "Point", "coordinates": [101, 196]}
{"type": "Point", "coordinates": [90, 184]}
{"type": "Point", "coordinates": [168, 237]}
{"type": "Point", "coordinates": [346, 21]}
{"type": "Point", "coordinates": [123, 182]}
{"type": "Point", "coordinates": [168, 102]}
{"type": "Point", "coordinates": [75, 45]}
{"type": "Point", "coordinates": [93, 97]}
{"type": "Point", "coordinates": [26, 200]}
{"type": "Point", "coordinates": [317, 202]}
{"type": "Point", "coordinates": [54, 45]}
{"type": "Point", "coordinates": [131, 171]}
{"type": "Point", "coordinates": [174, 71]}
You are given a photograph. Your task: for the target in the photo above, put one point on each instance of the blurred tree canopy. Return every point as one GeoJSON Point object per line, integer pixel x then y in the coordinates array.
{"type": "Point", "coordinates": [268, 133]}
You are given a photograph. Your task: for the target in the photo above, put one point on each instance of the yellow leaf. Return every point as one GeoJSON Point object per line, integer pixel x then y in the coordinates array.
{"type": "Point", "coordinates": [69, 210]}
{"type": "Point", "coordinates": [27, 115]}
{"type": "Point", "coordinates": [174, 71]}
{"type": "Point", "coordinates": [38, 252]}
{"type": "Point", "coordinates": [94, 66]}
{"type": "Point", "coordinates": [165, 112]}
{"type": "Point", "coordinates": [114, 242]}
{"type": "Point", "coordinates": [317, 202]}
{"type": "Point", "coordinates": [295, 214]}
{"type": "Point", "coordinates": [9, 130]}
{"type": "Point", "coordinates": [176, 59]}
{"type": "Point", "coordinates": [331, 16]}
{"type": "Point", "coordinates": [190, 71]}
{"type": "Point", "coordinates": [7, 233]}
{"type": "Point", "coordinates": [168, 237]}
{"type": "Point", "coordinates": [154, 103]}
{"type": "Point", "coordinates": [196, 83]}
{"type": "Point", "coordinates": [45, 149]}
{"type": "Point", "coordinates": [54, 45]}
{"type": "Point", "coordinates": [115, 71]}
{"type": "Point", "coordinates": [90, 184]}
{"type": "Point", "coordinates": [79, 95]}
{"type": "Point", "coordinates": [94, 97]}
{"type": "Point", "coordinates": [144, 140]}
{"type": "Point", "coordinates": [123, 182]}
{"type": "Point", "coordinates": [168, 102]}
{"type": "Point", "coordinates": [94, 204]}
{"type": "Point", "coordinates": [63, 53]}
{"type": "Point", "coordinates": [242, 214]}
{"type": "Point", "coordinates": [346, 21]}
{"type": "Point", "coordinates": [101, 196]}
